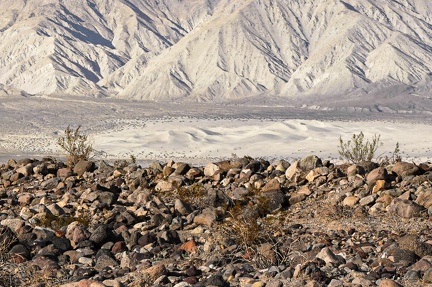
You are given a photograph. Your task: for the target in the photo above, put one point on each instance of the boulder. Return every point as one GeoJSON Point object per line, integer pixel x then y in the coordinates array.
{"type": "Point", "coordinates": [404, 208]}
{"type": "Point", "coordinates": [405, 169]}
{"type": "Point", "coordinates": [379, 173]}
{"type": "Point", "coordinates": [424, 198]}
{"type": "Point", "coordinates": [84, 166]}
{"type": "Point", "coordinates": [310, 162]}
{"type": "Point", "coordinates": [210, 169]}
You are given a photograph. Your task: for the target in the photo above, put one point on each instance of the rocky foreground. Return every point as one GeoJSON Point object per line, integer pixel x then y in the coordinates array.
{"type": "Point", "coordinates": [239, 222]}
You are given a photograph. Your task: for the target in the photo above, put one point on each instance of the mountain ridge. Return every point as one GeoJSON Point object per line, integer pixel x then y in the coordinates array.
{"type": "Point", "coordinates": [217, 50]}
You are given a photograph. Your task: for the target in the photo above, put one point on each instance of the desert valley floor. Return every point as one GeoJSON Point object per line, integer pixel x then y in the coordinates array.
{"type": "Point", "coordinates": [201, 133]}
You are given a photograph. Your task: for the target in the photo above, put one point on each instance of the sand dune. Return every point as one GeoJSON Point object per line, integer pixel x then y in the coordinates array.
{"type": "Point", "coordinates": [188, 140]}
{"type": "Point", "coordinates": [200, 133]}
{"type": "Point", "coordinates": [223, 138]}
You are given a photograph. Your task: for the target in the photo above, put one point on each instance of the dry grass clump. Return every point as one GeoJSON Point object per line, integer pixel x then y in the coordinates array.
{"type": "Point", "coordinates": [194, 194]}
{"type": "Point", "coordinates": [13, 274]}
{"type": "Point", "coordinates": [259, 238]}
{"type": "Point", "coordinates": [57, 222]}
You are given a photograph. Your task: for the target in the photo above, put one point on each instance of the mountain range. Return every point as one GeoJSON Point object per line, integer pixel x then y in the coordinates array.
{"type": "Point", "coordinates": [313, 51]}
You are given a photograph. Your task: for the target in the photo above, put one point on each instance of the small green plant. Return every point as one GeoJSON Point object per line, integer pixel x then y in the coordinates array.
{"type": "Point", "coordinates": [396, 156]}
{"type": "Point", "coordinates": [76, 144]}
{"type": "Point", "coordinates": [393, 158]}
{"type": "Point", "coordinates": [358, 149]}
{"type": "Point", "coordinates": [132, 158]}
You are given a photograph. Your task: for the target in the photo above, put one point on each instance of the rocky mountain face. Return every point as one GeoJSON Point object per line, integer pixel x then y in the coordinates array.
{"type": "Point", "coordinates": [217, 50]}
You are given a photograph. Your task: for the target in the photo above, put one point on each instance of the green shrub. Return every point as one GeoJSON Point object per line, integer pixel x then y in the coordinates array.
{"type": "Point", "coordinates": [358, 149]}
{"type": "Point", "coordinates": [76, 144]}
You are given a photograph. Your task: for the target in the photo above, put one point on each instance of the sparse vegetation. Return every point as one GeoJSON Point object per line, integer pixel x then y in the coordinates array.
{"type": "Point", "coordinates": [194, 194]}
{"type": "Point", "coordinates": [57, 222]}
{"type": "Point", "coordinates": [132, 158]}
{"type": "Point", "coordinates": [76, 144]}
{"type": "Point", "coordinates": [260, 239]}
{"type": "Point", "coordinates": [393, 158]}
{"type": "Point", "coordinates": [358, 149]}
{"type": "Point", "coordinates": [13, 273]}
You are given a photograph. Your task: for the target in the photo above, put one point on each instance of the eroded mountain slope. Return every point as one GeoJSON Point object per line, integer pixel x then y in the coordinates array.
{"type": "Point", "coordinates": [217, 50]}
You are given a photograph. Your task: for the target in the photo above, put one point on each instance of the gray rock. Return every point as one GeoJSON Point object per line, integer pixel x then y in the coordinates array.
{"type": "Point", "coordinates": [368, 200]}
{"type": "Point", "coordinates": [181, 207]}
{"type": "Point", "coordinates": [412, 275]}
{"type": "Point", "coordinates": [50, 183]}
{"type": "Point", "coordinates": [404, 208]}
{"type": "Point", "coordinates": [102, 234]}
{"type": "Point", "coordinates": [329, 257]}
{"type": "Point", "coordinates": [104, 261]}
{"type": "Point", "coordinates": [20, 251]}
{"type": "Point", "coordinates": [310, 162]}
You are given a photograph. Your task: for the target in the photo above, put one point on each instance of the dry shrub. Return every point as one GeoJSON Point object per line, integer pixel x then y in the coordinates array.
{"type": "Point", "coordinates": [260, 240]}
{"type": "Point", "coordinates": [358, 149]}
{"type": "Point", "coordinates": [76, 144]}
{"type": "Point", "coordinates": [194, 194]}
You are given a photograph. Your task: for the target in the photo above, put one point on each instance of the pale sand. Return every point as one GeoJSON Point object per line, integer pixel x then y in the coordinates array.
{"type": "Point", "coordinates": [201, 140]}
{"type": "Point", "coordinates": [200, 133]}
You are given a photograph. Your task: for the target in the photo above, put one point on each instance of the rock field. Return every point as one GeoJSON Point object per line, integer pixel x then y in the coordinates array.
{"type": "Point", "coordinates": [238, 222]}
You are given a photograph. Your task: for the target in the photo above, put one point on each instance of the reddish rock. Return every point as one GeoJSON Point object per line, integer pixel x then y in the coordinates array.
{"type": "Point", "coordinates": [84, 166]}
{"type": "Point", "coordinates": [64, 172]}
{"type": "Point", "coordinates": [385, 199]}
{"type": "Point", "coordinates": [272, 185]}
{"type": "Point", "coordinates": [118, 247]}
{"type": "Point", "coordinates": [76, 232]}
{"type": "Point", "coordinates": [389, 283]}
{"type": "Point", "coordinates": [380, 185]}
{"type": "Point", "coordinates": [421, 265]}
{"type": "Point", "coordinates": [189, 246]}
{"type": "Point", "coordinates": [154, 272]}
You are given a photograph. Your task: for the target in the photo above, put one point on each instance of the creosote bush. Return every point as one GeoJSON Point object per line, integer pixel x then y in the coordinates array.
{"type": "Point", "coordinates": [76, 144]}
{"type": "Point", "coordinates": [358, 149]}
